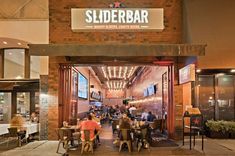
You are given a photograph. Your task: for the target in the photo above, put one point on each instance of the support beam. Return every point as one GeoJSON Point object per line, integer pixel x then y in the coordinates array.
{"type": "Point", "coordinates": [1, 63]}
{"type": "Point", "coordinates": [27, 64]}
{"type": "Point", "coordinates": [117, 50]}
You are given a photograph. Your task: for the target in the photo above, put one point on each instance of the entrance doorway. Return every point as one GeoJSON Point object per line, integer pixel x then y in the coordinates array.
{"type": "Point", "coordinates": [148, 87]}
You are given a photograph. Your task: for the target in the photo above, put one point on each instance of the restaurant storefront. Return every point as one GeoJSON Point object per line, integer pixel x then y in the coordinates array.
{"type": "Point", "coordinates": [113, 34]}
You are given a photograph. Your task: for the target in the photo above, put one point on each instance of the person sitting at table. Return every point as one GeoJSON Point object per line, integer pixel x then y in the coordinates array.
{"type": "Point", "coordinates": [18, 122]}
{"type": "Point", "coordinates": [144, 115]}
{"type": "Point", "coordinates": [92, 126]}
{"type": "Point", "coordinates": [133, 108]}
{"type": "Point", "coordinates": [34, 117]}
{"type": "Point", "coordinates": [124, 122]}
{"type": "Point", "coordinates": [151, 117]}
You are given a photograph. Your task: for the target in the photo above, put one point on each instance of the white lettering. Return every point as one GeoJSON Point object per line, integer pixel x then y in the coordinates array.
{"type": "Point", "coordinates": [117, 16]}
{"type": "Point", "coordinates": [107, 17]}
{"type": "Point", "coordinates": [144, 15]}
{"type": "Point", "coordinates": [88, 16]}
{"type": "Point", "coordinates": [121, 16]}
{"type": "Point", "coordinates": [95, 20]}
{"type": "Point", "coordinates": [137, 17]}
{"type": "Point", "coordinates": [101, 16]}
{"type": "Point", "coordinates": [114, 16]}
{"type": "Point", "coordinates": [129, 16]}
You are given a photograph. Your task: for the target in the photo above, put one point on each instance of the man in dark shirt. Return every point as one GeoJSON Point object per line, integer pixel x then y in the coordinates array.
{"type": "Point", "coordinates": [151, 117]}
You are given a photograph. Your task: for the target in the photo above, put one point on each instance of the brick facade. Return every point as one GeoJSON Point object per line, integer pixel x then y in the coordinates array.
{"type": "Point", "coordinates": [60, 23]}
{"type": "Point", "coordinates": [60, 32]}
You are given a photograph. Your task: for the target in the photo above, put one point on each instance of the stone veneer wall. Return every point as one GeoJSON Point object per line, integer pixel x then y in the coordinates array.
{"type": "Point", "coordinates": [43, 107]}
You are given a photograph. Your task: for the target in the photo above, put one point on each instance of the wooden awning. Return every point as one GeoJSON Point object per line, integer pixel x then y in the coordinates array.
{"type": "Point", "coordinates": [117, 50]}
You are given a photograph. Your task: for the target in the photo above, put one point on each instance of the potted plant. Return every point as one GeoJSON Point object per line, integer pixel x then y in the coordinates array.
{"type": "Point", "coordinates": [231, 125]}
{"type": "Point", "coordinates": [218, 129]}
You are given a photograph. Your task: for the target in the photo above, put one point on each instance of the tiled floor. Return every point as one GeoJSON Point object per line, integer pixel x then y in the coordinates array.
{"type": "Point", "coordinates": [48, 148]}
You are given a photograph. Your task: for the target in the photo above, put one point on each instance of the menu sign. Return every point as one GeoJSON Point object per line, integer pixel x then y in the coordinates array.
{"type": "Point", "coordinates": [187, 74]}
{"type": "Point", "coordinates": [117, 19]}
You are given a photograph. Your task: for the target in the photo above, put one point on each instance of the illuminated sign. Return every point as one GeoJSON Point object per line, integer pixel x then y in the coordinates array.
{"type": "Point", "coordinates": [187, 74]}
{"type": "Point", "coordinates": [116, 19]}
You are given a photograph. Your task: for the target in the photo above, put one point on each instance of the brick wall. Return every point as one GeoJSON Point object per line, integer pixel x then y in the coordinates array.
{"type": "Point", "coordinates": [60, 32]}
{"type": "Point", "coordinates": [60, 22]}
{"type": "Point", "coordinates": [53, 88]}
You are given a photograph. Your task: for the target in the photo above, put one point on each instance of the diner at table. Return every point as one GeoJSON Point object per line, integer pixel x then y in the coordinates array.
{"type": "Point", "coordinates": [129, 130]}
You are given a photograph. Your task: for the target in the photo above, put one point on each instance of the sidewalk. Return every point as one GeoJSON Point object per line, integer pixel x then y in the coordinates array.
{"type": "Point", "coordinates": [48, 148]}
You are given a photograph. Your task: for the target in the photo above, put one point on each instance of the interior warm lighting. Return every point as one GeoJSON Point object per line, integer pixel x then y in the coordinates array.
{"type": "Point", "coordinates": [114, 84]}
{"type": "Point", "coordinates": [124, 84]}
{"type": "Point", "coordinates": [220, 74]}
{"type": "Point", "coordinates": [114, 72]}
{"type": "Point", "coordinates": [4, 42]}
{"type": "Point", "coordinates": [232, 70]}
{"type": "Point", "coordinates": [131, 71]}
{"type": "Point", "coordinates": [19, 43]}
{"type": "Point", "coordinates": [117, 85]}
{"type": "Point", "coordinates": [104, 72]}
{"type": "Point", "coordinates": [120, 85]}
{"type": "Point", "coordinates": [18, 77]}
{"type": "Point", "coordinates": [110, 74]}
{"type": "Point", "coordinates": [108, 84]}
{"type": "Point", "coordinates": [120, 72]}
{"type": "Point", "coordinates": [111, 85]}
{"type": "Point", "coordinates": [198, 70]}
{"type": "Point", "coordinates": [125, 72]}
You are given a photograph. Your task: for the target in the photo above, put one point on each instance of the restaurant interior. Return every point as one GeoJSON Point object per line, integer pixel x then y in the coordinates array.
{"type": "Point", "coordinates": [135, 94]}
{"type": "Point", "coordinates": [129, 97]}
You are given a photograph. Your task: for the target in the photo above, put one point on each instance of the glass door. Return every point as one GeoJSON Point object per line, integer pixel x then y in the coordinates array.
{"type": "Point", "coordinates": [23, 104]}
{"type": "Point", "coordinates": [224, 97]}
{"type": "Point", "coordinates": [5, 107]}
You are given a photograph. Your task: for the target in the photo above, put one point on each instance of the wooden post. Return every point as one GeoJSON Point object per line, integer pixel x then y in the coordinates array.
{"type": "Point", "coordinates": [27, 64]}
{"type": "Point", "coordinates": [1, 63]}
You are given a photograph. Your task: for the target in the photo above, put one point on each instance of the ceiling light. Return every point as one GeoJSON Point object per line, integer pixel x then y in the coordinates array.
{"type": "Point", "coordinates": [131, 72]}
{"type": "Point", "coordinates": [125, 72]}
{"type": "Point", "coordinates": [19, 43]}
{"type": "Point", "coordinates": [120, 71]}
{"type": "Point", "coordinates": [232, 70]}
{"type": "Point", "coordinates": [4, 42]}
{"type": "Point", "coordinates": [108, 84]}
{"type": "Point", "coordinates": [114, 84]}
{"type": "Point", "coordinates": [111, 85]}
{"type": "Point", "coordinates": [198, 70]}
{"type": "Point", "coordinates": [220, 74]}
{"type": "Point", "coordinates": [104, 72]}
{"type": "Point", "coordinates": [120, 85]}
{"type": "Point", "coordinates": [124, 84]}
{"type": "Point", "coordinates": [117, 85]}
{"type": "Point", "coordinates": [18, 77]}
{"type": "Point", "coordinates": [110, 75]}
{"type": "Point", "coordinates": [114, 72]}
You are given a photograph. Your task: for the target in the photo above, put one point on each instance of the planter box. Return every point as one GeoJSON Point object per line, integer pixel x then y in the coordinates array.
{"type": "Point", "coordinates": [218, 135]}
{"type": "Point", "coordinates": [232, 135]}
